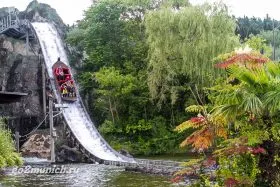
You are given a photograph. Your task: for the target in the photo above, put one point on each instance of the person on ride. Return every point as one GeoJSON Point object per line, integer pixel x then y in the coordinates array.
{"type": "Point", "coordinates": [64, 91]}
{"type": "Point", "coordinates": [67, 78]}
{"type": "Point", "coordinates": [70, 88]}
{"type": "Point", "coordinates": [59, 71]}
{"type": "Point", "coordinates": [61, 88]}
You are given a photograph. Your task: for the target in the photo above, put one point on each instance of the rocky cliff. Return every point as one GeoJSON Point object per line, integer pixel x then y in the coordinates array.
{"type": "Point", "coordinates": [20, 71]}
{"type": "Point", "coordinates": [36, 11]}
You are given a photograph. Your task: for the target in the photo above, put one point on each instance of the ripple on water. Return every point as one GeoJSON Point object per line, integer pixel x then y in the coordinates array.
{"type": "Point", "coordinates": [88, 175]}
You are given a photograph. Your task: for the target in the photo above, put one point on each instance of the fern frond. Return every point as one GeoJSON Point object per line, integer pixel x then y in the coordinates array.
{"type": "Point", "coordinates": [194, 122]}
{"type": "Point", "coordinates": [272, 100]}
{"type": "Point", "coordinates": [252, 103]}
{"type": "Point", "coordinates": [229, 112]}
{"type": "Point", "coordinates": [195, 108]}
{"type": "Point", "coordinates": [183, 126]}
{"type": "Point", "coordinates": [273, 69]}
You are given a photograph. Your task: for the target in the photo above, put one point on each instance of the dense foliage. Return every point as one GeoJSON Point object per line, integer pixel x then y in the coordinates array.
{"type": "Point", "coordinates": [8, 156]}
{"type": "Point", "coordinates": [182, 45]}
{"type": "Point", "coordinates": [120, 42]}
{"type": "Point", "coordinates": [247, 26]}
{"type": "Point", "coordinates": [240, 123]}
{"type": "Point", "coordinates": [113, 76]}
{"type": "Point", "coordinates": [144, 61]}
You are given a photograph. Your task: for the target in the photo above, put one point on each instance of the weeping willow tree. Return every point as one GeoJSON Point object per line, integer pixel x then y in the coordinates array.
{"type": "Point", "coordinates": [182, 43]}
{"type": "Point", "coordinates": [155, 4]}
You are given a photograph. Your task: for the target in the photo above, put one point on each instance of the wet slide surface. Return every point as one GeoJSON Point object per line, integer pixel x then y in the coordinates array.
{"type": "Point", "coordinates": [75, 115]}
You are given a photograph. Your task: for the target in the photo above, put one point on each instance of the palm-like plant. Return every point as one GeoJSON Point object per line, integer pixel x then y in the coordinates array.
{"type": "Point", "coordinates": [252, 103]}
{"type": "Point", "coordinates": [248, 103]}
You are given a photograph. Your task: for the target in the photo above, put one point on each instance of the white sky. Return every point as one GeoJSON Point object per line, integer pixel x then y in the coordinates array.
{"type": "Point", "coordinates": [73, 10]}
{"type": "Point", "coordinates": [69, 10]}
{"type": "Point", "coordinates": [257, 8]}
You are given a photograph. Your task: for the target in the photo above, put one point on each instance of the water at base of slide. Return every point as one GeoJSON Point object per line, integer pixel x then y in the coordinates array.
{"type": "Point", "coordinates": [75, 115]}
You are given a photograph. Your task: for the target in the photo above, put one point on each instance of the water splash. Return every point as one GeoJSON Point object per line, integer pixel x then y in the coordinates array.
{"type": "Point", "coordinates": [75, 115]}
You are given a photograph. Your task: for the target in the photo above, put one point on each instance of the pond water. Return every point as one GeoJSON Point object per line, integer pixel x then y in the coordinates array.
{"type": "Point", "coordinates": [87, 175]}
{"type": "Point", "coordinates": [180, 157]}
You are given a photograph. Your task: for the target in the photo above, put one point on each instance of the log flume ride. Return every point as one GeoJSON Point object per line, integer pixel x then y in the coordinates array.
{"type": "Point", "coordinates": [79, 122]}
{"type": "Point", "coordinates": [64, 82]}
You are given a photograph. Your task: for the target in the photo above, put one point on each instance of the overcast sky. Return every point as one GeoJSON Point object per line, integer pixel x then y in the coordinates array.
{"type": "Point", "coordinates": [257, 8]}
{"type": "Point", "coordinates": [69, 10]}
{"type": "Point", "coordinates": [73, 10]}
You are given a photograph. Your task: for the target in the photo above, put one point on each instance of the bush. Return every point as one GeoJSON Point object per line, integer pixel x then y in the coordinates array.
{"type": "Point", "coordinates": [8, 156]}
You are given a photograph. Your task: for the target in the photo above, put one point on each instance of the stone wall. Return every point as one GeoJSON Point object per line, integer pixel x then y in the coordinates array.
{"type": "Point", "coordinates": [20, 71]}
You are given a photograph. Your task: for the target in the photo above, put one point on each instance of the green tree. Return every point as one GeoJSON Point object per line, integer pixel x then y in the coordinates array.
{"type": "Point", "coordinates": [268, 36]}
{"type": "Point", "coordinates": [247, 26]}
{"type": "Point", "coordinates": [113, 75]}
{"type": "Point", "coordinates": [106, 38]}
{"type": "Point", "coordinates": [113, 88]}
{"type": "Point", "coordinates": [182, 44]}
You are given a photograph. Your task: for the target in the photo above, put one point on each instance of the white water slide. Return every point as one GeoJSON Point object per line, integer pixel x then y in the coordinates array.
{"type": "Point", "coordinates": [75, 115]}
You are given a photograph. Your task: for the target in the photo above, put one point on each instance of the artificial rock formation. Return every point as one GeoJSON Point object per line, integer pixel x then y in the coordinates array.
{"type": "Point", "coordinates": [20, 71]}
{"type": "Point", "coordinates": [66, 154]}
{"type": "Point", "coordinates": [38, 145]}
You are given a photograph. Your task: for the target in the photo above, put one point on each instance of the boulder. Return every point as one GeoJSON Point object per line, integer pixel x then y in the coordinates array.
{"type": "Point", "coordinates": [125, 153]}
{"type": "Point", "coordinates": [66, 154]}
{"type": "Point", "coordinates": [38, 145]}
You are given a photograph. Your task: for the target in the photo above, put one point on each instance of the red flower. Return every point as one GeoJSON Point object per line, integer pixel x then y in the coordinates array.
{"type": "Point", "coordinates": [243, 58]}
{"type": "Point", "coordinates": [258, 150]}
{"type": "Point", "coordinates": [197, 119]}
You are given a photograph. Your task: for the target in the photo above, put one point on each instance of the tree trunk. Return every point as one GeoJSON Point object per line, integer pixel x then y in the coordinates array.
{"type": "Point", "coordinates": [111, 110]}
{"type": "Point", "coordinates": [145, 110]}
{"type": "Point", "coordinates": [116, 110]}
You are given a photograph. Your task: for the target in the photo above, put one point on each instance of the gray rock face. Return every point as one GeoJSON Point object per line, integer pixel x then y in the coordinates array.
{"type": "Point", "coordinates": [66, 154]}
{"type": "Point", "coordinates": [125, 153]}
{"type": "Point", "coordinates": [38, 145]}
{"type": "Point", "coordinates": [20, 71]}
{"type": "Point", "coordinates": [41, 12]}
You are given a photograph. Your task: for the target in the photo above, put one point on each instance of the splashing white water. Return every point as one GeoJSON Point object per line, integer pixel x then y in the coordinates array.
{"type": "Point", "coordinates": [75, 115]}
